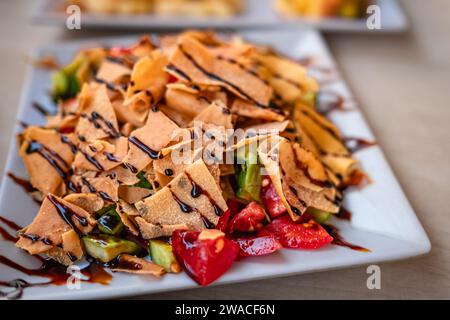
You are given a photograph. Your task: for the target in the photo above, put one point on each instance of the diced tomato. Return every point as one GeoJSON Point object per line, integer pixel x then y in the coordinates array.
{"type": "Point", "coordinates": [248, 219]}
{"type": "Point", "coordinates": [309, 235]}
{"type": "Point", "coordinates": [271, 199]}
{"type": "Point", "coordinates": [66, 130]}
{"type": "Point", "coordinates": [234, 207]}
{"type": "Point", "coordinates": [223, 221]}
{"type": "Point", "coordinates": [257, 246]}
{"type": "Point", "coordinates": [204, 255]}
{"type": "Point", "coordinates": [172, 79]}
{"type": "Point", "coordinates": [119, 51]}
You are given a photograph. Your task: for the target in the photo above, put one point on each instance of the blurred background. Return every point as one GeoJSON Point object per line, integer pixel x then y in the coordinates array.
{"type": "Point", "coordinates": [400, 79]}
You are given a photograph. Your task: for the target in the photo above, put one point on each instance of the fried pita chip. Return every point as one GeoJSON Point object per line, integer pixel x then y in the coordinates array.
{"type": "Point", "coordinates": [152, 231]}
{"type": "Point", "coordinates": [104, 187]}
{"type": "Point", "coordinates": [55, 217]}
{"type": "Point", "coordinates": [193, 62]}
{"type": "Point", "coordinates": [289, 79]}
{"type": "Point", "coordinates": [88, 201]}
{"type": "Point", "coordinates": [132, 264]}
{"type": "Point", "coordinates": [47, 156]}
{"type": "Point", "coordinates": [217, 113]}
{"type": "Point", "coordinates": [98, 120]}
{"type": "Point", "coordinates": [250, 110]}
{"type": "Point", "coordinates": [101, 155]}
{"type": "Point", "coordinates": [132, 194]}
{"type": "Point", "coordinates": [111, 71]}
{"type": "Point", "coordinates": [127, 213]}
{"type": "Point", "coordinates": [146, 142]}
{"type": "Point", "coordinates": [174, 204]}
{"type": "Point", "coordinates": [148, 76]}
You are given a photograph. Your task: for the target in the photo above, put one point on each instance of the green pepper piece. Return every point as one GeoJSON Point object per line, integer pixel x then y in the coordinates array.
{"type": "Point", "coordinates": [318, 215]}
{"type": "Point", "coordinates": [249, 178]}
{"type": "Point", "coordinates": [161, 253]}
{"type": "Point", "coordinates": [110, 223]}
{"type": "Point", "coordinates": [143, 182]}
{"type": "Point", "coordinates": [105, 247]}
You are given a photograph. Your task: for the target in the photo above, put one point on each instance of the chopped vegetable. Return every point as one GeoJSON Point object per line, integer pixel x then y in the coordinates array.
{"type": "Point", "coordinates": [105, 247]}
{"type": "Point", "coordinates": [309, 235]}
{"type": "Point", "coordinates": [257, 246]}
{"type": "Point", "coordinates": [143, 182]}
{"type": "Point", "coordinates": [271, 199]}
{"type": "Point", "coordinates": [110, 222]}
{"type": "Point", "coordinates": [248, 219]}
{"type": "Point", "coordinates": [204, 255]}
{"type": "Point", "coordinates": [318, 215]}
{"type": "Point", "coordinates": [162, 254]}
{"type": "Point", "coordinates": [249, 178]}
{"type": "Point", "coordinates": [65, 84]}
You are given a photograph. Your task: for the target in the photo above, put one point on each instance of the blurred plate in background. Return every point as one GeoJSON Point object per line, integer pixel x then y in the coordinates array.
{"type": "Point", "coordinates": [257, 13]}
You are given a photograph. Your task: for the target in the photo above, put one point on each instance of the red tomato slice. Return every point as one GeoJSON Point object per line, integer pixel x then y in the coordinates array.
{"type": "Point", "coordinates": [271, 199]}
{"type": "Point", "coordinates": [119, 51]}
{"type": "Point", "coordinates": [223, 221]}
{"type": "Point", "coordinates": [248, 219]}
{"type": "Point", "coordinates": [66, 130]}
{"type": "Point", "coordinates": [309, 235]}
{"type": "Point", "coordinates": [204, 255]}
{"type": "Point", "coordinates": [172, 79]}
{"type": "Point", "coordinates": [234, 207]}
{"type": "Point", "coordinates": [257, 246]}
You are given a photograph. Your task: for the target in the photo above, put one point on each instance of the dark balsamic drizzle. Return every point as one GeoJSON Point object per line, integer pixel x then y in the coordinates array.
{"type": "Point", "coordinates": [67, 214]}
{"type": "Point", "coordinates": [23, 124]}
{"type": "Point", "coordinates": [344, 214]}
{"type": "Point", "coordinates": [55, 272]}
{"type": "Point", "coordinates": [92, 160]}
{"type": "Point", "coordinates": [172, 68]}
{"type": "Point", "coordinates": [110, 86]}
{"type": "Point", "coordinates": [143, 147]}
{"type": "Point", "coordinates": [242, 67]}
{"type": "Point", "coordinates": [183, 206]}
{"type": "Point", "coordinates": [35, 238]}
{"type": "Point", "coordinates": [197, 191]}
{"type": "Point", "coordinates": [24, 184]}
{"type": "Point", "coordinates": [7, 236]}
{"type": "Point", "coordinates": [10, 224]}
{"type": "Point", "coordinates": [92, 189]}
{"type": "Point", "coordinates": [41, 109]}
{"type": "Point", "coordinates": [95, 118]}
{"type": "Point", "coordinates": [356, 144]}
{"type": "Point", "coordinates": [208, 224]}
{"type": "Point", "coordinates": [130, 167]}
{"type": "Point", "coordinates": [111, 157]}
{"type": "Point", "coordinates": [339, 240]}
{"type": "Point", "coordinates": [300, 165]}
{"type": "Point", "coordinates": [66, 140]}
{"type": "Point", "coordinates": [49, 155]}
{"type": "Point", "coordinates": [324, 106]}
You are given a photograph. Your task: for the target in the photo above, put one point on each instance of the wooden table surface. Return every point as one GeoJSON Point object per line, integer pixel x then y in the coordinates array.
{"type": "Point", "coordinates": [402, 83]}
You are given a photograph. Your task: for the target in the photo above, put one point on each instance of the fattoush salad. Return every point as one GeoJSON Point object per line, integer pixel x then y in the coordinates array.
{"type": "Point", "coordinates": [185, 152]}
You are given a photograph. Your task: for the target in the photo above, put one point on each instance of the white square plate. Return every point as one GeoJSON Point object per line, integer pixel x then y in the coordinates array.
{"type": "Point", "coordinates": [383, 220]}
{"type": "Point", "coordinates": [257, 13]}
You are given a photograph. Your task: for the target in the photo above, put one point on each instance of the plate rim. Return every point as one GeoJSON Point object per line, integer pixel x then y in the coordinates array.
{"type": "Point", "coordinates": [40, 15]}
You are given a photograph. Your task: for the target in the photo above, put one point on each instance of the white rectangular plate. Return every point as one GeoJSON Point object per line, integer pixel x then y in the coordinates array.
{"type": "Point", "coordinates": [383, 221]}
{"type": "Point", "coordinates": [258, 13]}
